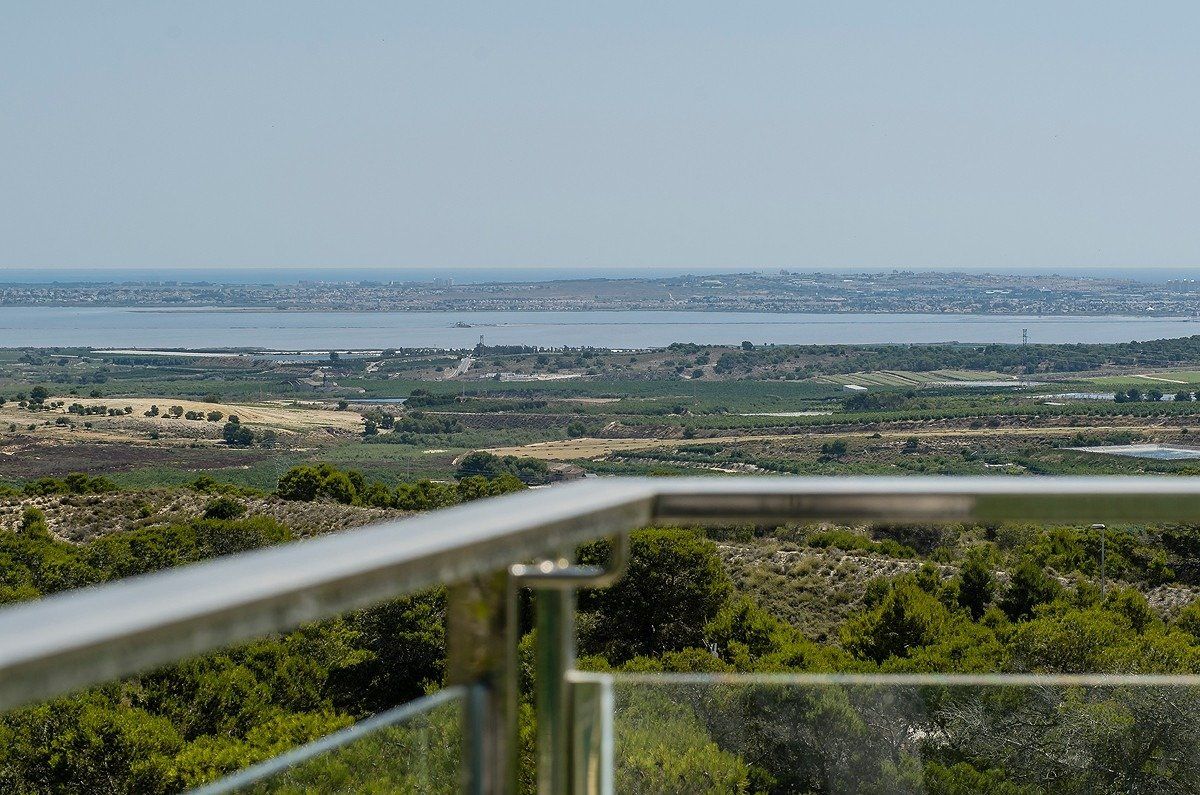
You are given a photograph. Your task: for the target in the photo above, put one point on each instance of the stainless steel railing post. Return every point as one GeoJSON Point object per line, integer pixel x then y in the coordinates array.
{"type": "Point", "coordinates": [481, 638]}
{"type": "Point", "coordinates": [592, 760]}
{"type": "Point", "coordinates": [555, 656]}
{"type": "Point", "coordinates": [555, 582]}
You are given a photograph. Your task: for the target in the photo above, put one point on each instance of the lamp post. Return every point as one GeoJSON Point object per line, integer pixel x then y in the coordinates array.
{"type": "Point", "coordinates": [1103, 570]}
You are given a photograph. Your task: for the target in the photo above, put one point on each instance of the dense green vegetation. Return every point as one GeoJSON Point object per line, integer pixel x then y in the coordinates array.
{"type": "Point", "coordinates": [527, 470]}
{"type": "Point", "coordinates": [1014, 598]}
{"type": "Point", "coordinates": [74, 483]}
{"type": "Point", "coordinates": [185, 724]}
{"type": "Point", "coordinates": [326, 482]}
{"type": "Point", "coordinates": [780, 738]}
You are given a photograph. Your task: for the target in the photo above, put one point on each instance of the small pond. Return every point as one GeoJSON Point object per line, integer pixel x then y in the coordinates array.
{"type": "Point", "coordinates": [1161, 452]}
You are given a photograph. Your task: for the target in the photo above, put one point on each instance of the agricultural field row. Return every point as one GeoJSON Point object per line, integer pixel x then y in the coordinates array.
{"type": "Point", "coordinates": [909, 378]}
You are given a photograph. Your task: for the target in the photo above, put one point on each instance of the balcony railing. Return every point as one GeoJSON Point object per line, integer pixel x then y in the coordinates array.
{"type": "Point", "coordinates": [464, 736]}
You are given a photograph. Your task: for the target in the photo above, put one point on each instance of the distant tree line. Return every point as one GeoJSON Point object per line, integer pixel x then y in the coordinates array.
{"type": "Point", "coordinates": [530, 471]}
{"type": "Point", "coordinates": [1153, 395]}
{"type": "Point", "coordinates": [325, 482]}
{"type": "Point", "coordinates": [1019, 359]}
{"type": "Point", "coordinates": [74, 483]}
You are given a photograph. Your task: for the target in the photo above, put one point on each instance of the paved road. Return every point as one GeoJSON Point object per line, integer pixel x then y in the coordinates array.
{"type": "Point", "coordinates": [463, 366]}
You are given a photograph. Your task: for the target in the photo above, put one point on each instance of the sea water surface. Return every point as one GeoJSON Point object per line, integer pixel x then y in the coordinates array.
{"type": "Point", "coordinates": [106, 327]}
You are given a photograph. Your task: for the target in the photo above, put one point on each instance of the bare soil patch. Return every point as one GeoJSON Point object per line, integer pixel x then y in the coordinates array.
{"type": "Point", "coordinates": [24, 457]}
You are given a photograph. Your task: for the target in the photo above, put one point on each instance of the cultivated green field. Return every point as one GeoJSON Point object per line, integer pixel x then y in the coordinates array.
{"type": "Point", "coordinates": [908, 378]}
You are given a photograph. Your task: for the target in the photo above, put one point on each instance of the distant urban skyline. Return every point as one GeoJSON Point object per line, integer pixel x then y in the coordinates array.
{"type": "Point", "coordinates": [462, 275]}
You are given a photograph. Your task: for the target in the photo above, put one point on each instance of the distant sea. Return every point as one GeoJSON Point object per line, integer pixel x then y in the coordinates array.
{"type": "Point", "coordinates": [10, 275]}
{"type": "Point", "coordinates": [102, 327]}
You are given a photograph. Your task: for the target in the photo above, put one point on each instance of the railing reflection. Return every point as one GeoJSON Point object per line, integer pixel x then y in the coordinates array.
{"type": "Point", "coordinates": [413, 748]}
{"type": "Point", "coordinates": [842, 734]}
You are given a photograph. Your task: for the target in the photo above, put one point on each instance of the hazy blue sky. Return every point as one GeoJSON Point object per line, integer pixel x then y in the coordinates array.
{"type": "Point", "coordinates": [687, 134]}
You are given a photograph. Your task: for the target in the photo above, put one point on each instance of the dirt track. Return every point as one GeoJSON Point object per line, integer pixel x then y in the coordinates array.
{"type": "Point", "coordinates": [568, 449]}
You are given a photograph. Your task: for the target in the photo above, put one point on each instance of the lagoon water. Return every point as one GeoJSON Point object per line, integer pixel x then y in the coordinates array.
{"type": "Point", "coordinates": [103, 327]}
{"type": "Point", "coordinates": [1160, 452]}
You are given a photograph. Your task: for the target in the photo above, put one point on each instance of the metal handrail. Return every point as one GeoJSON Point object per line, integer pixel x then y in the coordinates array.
{"type": "Point", "coordinates": [74, 639]}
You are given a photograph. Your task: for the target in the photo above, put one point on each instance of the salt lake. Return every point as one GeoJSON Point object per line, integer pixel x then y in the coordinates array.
{"type": "Point", "coordinates": [112, 327]}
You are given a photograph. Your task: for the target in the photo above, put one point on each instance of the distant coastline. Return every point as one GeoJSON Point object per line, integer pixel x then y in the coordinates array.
{"type": "Point", "coordinates": [782, 292]}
